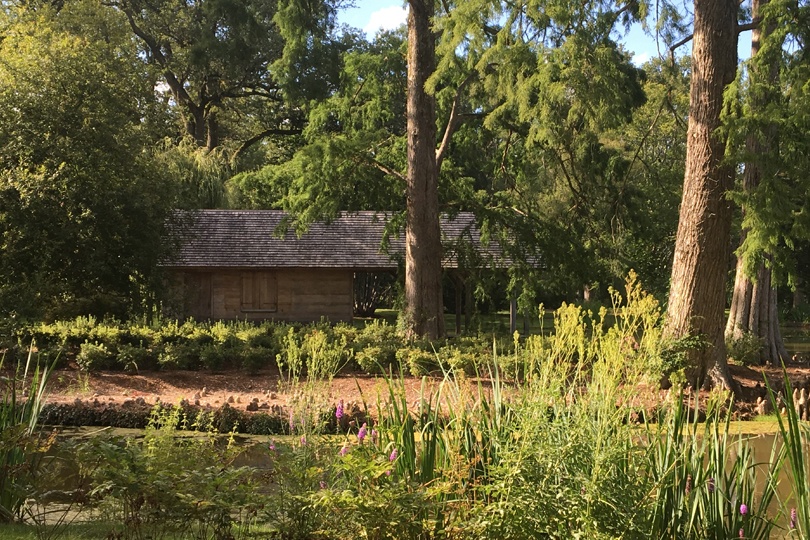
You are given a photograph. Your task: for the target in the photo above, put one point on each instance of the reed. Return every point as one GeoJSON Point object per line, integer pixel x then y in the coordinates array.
{"type": "Point", "coordinates": [21, 447]}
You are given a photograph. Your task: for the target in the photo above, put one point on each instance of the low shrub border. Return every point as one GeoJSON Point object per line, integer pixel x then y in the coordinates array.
{"type": "Point", "coordinates": [136, 413]}
{"type": "Point", "coordinates": [319, 348]}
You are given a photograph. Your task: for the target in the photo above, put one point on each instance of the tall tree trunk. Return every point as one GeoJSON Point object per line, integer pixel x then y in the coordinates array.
{"type": "Point", "coordinates": [753, 306]}
{"type": "Point", "coordinates": [697, 296]}
{"type": "Point", "coordinates": [424, 313]}
{"type": "Point", "coordinates": [212, 140]}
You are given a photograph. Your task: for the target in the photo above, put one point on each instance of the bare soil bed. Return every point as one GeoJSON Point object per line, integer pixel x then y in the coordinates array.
{"type": "Point", "coordinates": [206, 389]}
{"type": "Point", "coordinates": [238, 389]}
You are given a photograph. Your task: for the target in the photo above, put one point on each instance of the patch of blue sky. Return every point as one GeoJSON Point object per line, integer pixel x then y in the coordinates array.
{"type": "Point", "coordinates": [374, 15]}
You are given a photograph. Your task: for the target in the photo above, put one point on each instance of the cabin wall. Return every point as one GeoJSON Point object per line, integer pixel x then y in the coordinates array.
{"type": "Point", "coordinates": [294, 294]}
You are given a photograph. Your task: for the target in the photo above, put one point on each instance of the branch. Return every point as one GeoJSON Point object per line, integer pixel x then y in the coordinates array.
{"type": "Point", "coordinates": [740, 28]}
{"type": "Point", "coordinates": [251, 92]}
{"type": "Point", "coordinates": [684, 41]}
{"type": "Point", "coordinates": [171, 79]}
{"type": "Point", "coordinates": [386, 170]}
{"type": "Point", "coordinates": [453, 122]}
{"type": "Point", "coordinates": [256, 138]}
{"type": "Point", "coordinates": [664, 102]}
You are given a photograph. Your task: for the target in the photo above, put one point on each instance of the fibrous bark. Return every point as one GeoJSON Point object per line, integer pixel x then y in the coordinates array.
{"type": "Point", "coordinates": [702, 247]}
{"type": "Point", "coordinates": [753, 305]}
{"type": "Point", "coordinates": [423, 249]}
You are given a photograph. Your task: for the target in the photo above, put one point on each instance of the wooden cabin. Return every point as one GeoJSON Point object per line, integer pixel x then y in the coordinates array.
{"type": "Point", "coordinates": [234, 264]}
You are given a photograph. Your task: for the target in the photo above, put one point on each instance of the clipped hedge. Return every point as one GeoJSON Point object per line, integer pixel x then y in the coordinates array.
{"type": "Point", "coordinates": [320, 348]}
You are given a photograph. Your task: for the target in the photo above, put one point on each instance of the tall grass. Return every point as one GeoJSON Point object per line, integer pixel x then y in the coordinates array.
{"type": "Point", "coordinates": [795, 436]}
{"type": "Point", "coordinates": [706, 483]}
{"type": "Point", "coordinates": [21, 448]}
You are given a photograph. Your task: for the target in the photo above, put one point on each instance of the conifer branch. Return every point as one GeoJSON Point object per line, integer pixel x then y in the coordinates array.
{"type": "Point", "coordinates": [259, 136]}
{"type": "Point", "coordinates": [680, 43]}
{"type": "Point", "coordinates": [453, 122]}
{"type": "Point", "coordinates": [387, 170]}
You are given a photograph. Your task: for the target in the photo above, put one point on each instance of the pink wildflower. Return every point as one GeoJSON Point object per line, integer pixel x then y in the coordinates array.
{"type": "Point", "coordinates": [339, 410]}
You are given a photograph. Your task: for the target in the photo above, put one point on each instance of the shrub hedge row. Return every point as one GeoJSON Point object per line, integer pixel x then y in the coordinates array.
{"type": "Point", "coordinates": [377, 346]}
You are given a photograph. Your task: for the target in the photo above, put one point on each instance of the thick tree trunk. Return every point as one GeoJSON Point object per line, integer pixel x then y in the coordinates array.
{"type": "Point", "coordinates": [754, 311]}
{"type": "Point", "coordinates": [196, 123]}
{"type": "Point", "coordinates": [753, 306]}
{"type": "Point", "coordinates": [212, 132]}
{"type": "Point", "coordinates": [423, 249]}
{"type": "Point", "coordinates": [697, 295]}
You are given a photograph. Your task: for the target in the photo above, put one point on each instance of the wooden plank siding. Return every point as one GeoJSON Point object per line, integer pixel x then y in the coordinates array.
{"type": "Point", "coordinates": [234, 264]}
{"type": "Point", "coordinates": [284, 294]}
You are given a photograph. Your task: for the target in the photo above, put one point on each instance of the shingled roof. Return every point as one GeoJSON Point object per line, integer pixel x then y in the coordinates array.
{"type": "Point", "coordinates": [250, 239]}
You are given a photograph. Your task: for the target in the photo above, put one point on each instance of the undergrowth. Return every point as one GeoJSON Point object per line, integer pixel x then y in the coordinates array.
{"type": "Point", "coordinates": [547, 444]}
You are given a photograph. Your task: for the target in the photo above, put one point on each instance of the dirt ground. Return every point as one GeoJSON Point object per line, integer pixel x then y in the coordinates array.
{"type": "Point", "coordinates": [212, 390]}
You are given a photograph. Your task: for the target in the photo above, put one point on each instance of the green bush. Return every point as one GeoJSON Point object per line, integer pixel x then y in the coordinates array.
{"type": "Point", "coordinates": [265, 338]}
{"type": "Point", "coordinates": [417, 360]}
{"type": "Point", "coordinates": [212, 357]}
{"type": "Point", "coordinates": [139, 335]}
{"type": "Point", "coordinates": [135, 358]}
{"type": "Point", "coordinates": [108, 333]}
{"type": "Point", "coordinates": [745, 349]}
{"type": "Point", "coordinates": [318, 350]}
{"type": "Point", "coordinates": [376, 347]}
{"type": "Point", "coordinates": [376, 359]}
{"type": "Point", "coordinates": [460, 360]}
{"type": "Point", "coordinates": [95, 356]}
{"type": "Point", "coordinates": [255, 359]}
{"type": "Point", "coordinates": [179, 356]}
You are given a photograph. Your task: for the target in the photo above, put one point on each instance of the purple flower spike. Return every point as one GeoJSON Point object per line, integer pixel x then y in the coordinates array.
{"type": "Point", "coordinates": [742, 533]}
{"type": "Point", "coordinates": [388, 472]}
{"type": "Point", "coordinates": [272, 445]}
{"type": "Point", "coordinates": [344, 451]}
{"type": "Point", "coordinates": [362, 433]}
{"type": "Point", "coordinates": [374, 435]}
{"type": "Point", "coordinates": [323, 484]}
{"type": "Point", "coordinates": [339, 410]}
{"type": "Point", "coordinates": [793, 518]}
{"type": "Point", "coordinates": [393, 455]}
{"type": "Point", "coordinates": [743, 509]}
{"type": "Point", "coordinates": [303, 440]}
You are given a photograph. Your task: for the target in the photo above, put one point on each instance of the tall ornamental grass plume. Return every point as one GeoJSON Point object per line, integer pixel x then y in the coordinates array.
{"type": "Point", "coordinates": [21, 447]}
{"type": "Point", "coordinates": [705, 481]}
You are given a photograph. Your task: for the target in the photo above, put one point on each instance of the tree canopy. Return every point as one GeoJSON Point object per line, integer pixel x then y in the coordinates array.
{"type": "Point", "coordinates": [530, 114]}
{"type": "Point", "coordinates": [81, 213]}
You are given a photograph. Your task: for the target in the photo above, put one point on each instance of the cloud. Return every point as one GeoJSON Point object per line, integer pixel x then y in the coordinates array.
{"type": "Point", "coordinates": [640, 59]}
{"type": "Point", "coordinates": [388, 18]}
